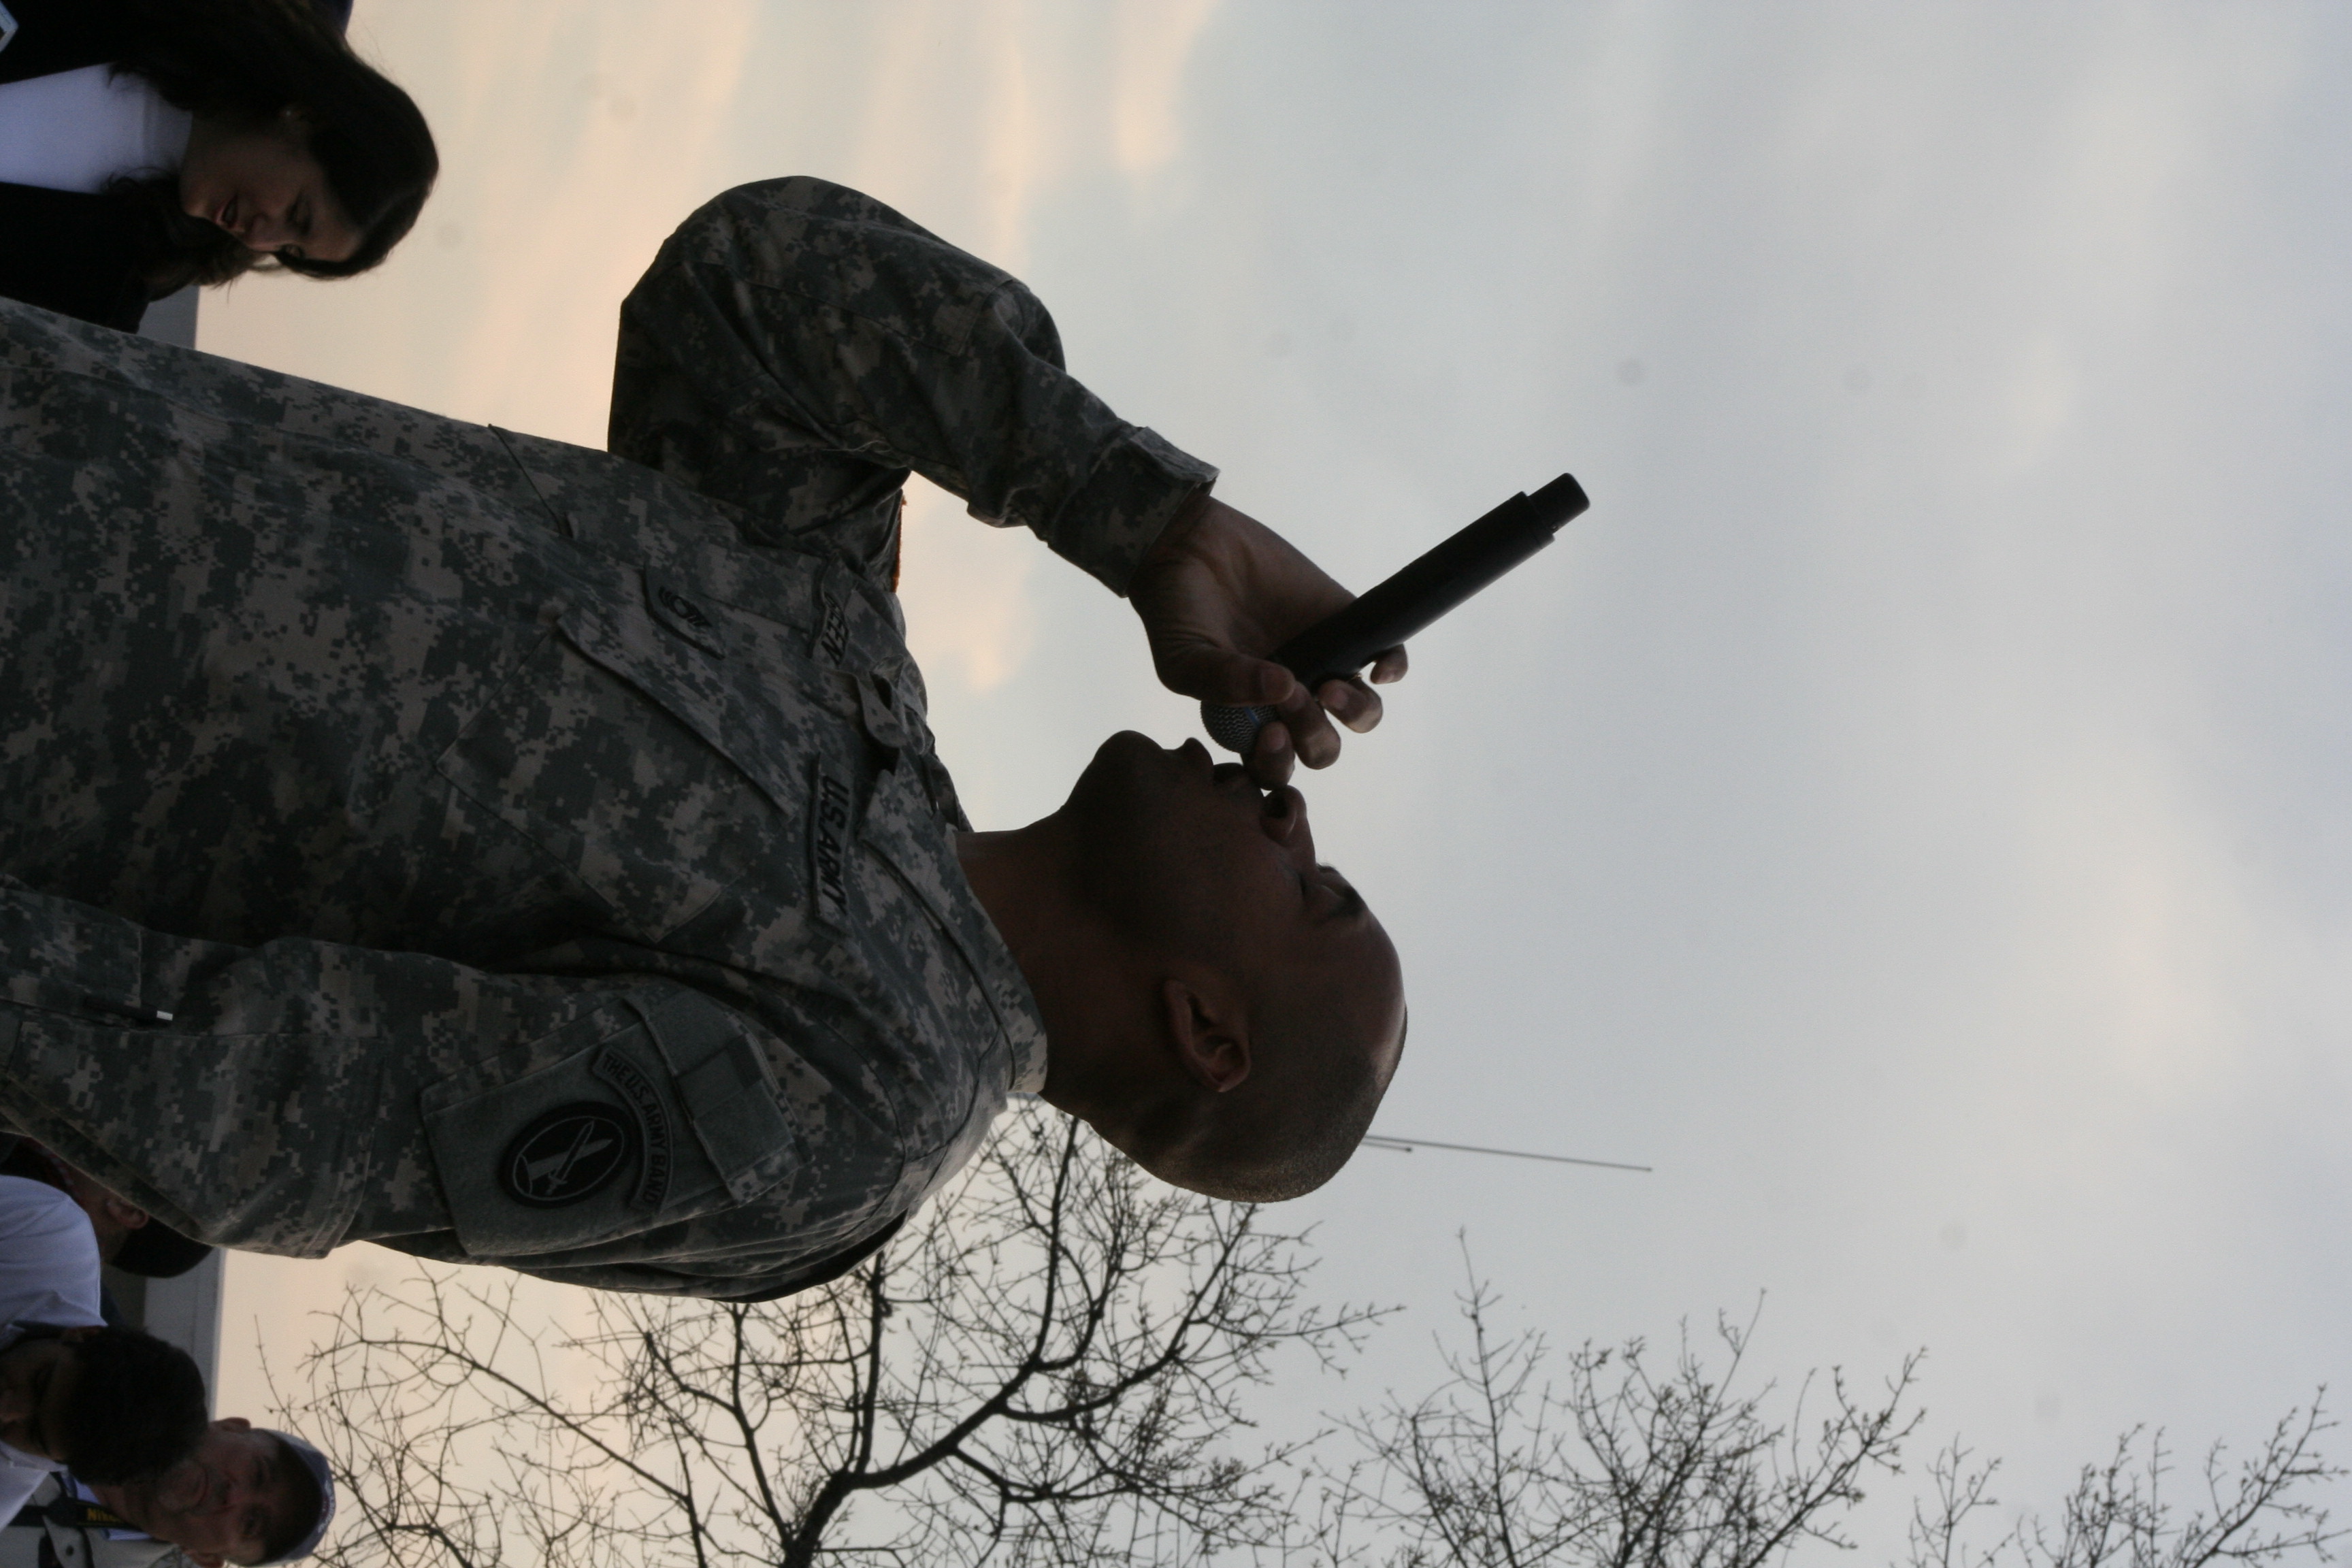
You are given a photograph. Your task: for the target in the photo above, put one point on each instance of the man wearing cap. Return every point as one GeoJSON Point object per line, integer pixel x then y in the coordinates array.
{"type": "Point", "coordinates": [248, 1495]}
{"type": "Point", "coordinates": [129, 1238]}
{"type": "Point", "coordinates": [244, 1495]}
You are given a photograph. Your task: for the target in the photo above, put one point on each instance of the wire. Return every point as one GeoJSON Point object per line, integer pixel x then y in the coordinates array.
{"type": "Point", "coordinates": [1407, 1145]}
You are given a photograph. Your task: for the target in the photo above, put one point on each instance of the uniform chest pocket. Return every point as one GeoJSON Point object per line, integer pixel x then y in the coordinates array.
{"type": "Point", "coordinates": [658, 1110]}
{"type": "Point", "coordinates": [648, 755]}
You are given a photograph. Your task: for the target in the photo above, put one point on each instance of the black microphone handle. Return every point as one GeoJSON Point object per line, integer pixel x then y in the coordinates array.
{"type": "Point", "coordinates": [1403, 603]}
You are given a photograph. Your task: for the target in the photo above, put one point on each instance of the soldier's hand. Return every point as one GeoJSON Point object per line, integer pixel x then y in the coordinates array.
{"type": "Point", "coordinates": [1219, 590]}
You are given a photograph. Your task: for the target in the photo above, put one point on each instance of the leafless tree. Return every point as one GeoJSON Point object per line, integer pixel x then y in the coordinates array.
{"type": "Point", "coordinates": [1620, 1464]}
{"type": "Point", "coordinates": [1617, 1464]}
{"type": "Point", "coordinates": [1046, 1368]}
{"type": "Point", "coordinates": [1050, 1368]}
{"type": "Point", "coordinates": [2121, 1513]}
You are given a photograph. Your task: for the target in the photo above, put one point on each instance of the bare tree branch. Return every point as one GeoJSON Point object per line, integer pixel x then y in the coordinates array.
{"type": "Point", "coordinates": [1614, 1465]}
{"type": "Point", "coordinates": [1048, 1367]}
{"type": "Point", "coordinates": [2121, 1513]}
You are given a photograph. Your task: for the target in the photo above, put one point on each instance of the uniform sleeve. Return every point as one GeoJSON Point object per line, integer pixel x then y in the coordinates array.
{"type": "Point", "coordinates": [792, 330]}
{"type": "Point", "coordinates": [289, 1096]}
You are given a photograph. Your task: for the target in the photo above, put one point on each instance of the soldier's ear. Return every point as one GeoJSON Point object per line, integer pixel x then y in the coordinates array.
{"type": "Point", "coordinates": [124, 1213]}
{"type": "Point", "coordinates": [1211, 1042]}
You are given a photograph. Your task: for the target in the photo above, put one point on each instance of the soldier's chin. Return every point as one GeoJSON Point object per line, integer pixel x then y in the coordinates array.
{"type": "Point", "coordinates": [1114, 771]}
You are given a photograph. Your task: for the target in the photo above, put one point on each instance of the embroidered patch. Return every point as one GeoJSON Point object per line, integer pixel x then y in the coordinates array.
{"type": "Point", "coordinates": [653, 1124]}
{"type": "Point", "coordinates": [569, 1154]}
{"type": "Point", "coordinates": [683, 609]}
{"type": "Point", "coordinates": [682, 613]}
{"type": "Point", "coordinates": [828, 841]}
{"type": "Point", "coordinates": [832, 632]}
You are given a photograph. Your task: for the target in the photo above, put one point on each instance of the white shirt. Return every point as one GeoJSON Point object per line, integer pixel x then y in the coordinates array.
{"type": "Point", "coordinates": [74, 130]}
{"type": "Point", "coordinates": [48, 1274]}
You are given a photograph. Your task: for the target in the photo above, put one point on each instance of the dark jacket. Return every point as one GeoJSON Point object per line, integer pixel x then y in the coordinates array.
{"type": "Point", "coordinates": [66, 251]}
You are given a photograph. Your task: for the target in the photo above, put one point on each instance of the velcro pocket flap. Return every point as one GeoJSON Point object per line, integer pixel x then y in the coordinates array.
{"type": "Point", "coordinates": [723, 1082]}
{"type": "Point", "coordinates": [571, 1140]}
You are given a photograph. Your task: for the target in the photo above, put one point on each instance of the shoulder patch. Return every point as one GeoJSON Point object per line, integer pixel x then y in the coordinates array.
{"type": "Point", "coordinates": [566, 1156]}
{"type": "Point", "coordinates": [833, 631]}
{"type": "Point", "coordinates": [653, 1124]}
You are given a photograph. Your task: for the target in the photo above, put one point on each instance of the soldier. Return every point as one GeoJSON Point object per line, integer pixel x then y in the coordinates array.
{"type": "Point", "coordinates": [513, 853]}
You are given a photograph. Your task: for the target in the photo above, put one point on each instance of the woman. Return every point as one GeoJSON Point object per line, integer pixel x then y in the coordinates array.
{"type": "Point", "coordinates": [149, 144]}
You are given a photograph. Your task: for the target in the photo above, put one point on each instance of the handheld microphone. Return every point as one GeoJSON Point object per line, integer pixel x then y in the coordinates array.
{"type": "Point", "coordinates": [1340, 645]}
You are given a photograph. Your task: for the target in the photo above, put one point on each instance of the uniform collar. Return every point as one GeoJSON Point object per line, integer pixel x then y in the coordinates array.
{"type": "Point", "coordinates": [1029, 1051]}
{"type": "Point", "coordinates": [902, 821]}
{"type": "Point", "coordinates": [9, 1453]}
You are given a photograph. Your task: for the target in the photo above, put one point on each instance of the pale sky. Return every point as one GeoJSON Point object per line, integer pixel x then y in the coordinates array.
{"type": "Point", "coordinates": [1910, 810]}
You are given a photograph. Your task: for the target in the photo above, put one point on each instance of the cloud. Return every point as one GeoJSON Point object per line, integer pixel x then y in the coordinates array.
{"type": "Point", "coordinates": [574, 138]}
{"type": "Point", "coordinates": [1156, 38]}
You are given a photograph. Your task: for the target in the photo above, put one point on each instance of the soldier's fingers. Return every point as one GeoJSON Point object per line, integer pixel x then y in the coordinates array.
{"type": "Point", "coordinates": [1272, 756]}
{"type": "Point", "coordinates": [1352, 702]}
{"type": "Point", "coordinates": [1390, 665]}
{"type": "Point", "coordinates": [1311, 734]}
{"type": "Point", "coordinates": [1215, 674]}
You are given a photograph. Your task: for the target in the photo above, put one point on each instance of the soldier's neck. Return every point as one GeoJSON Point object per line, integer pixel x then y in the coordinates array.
{"type": "Point", "coordinates": [1097, 997]}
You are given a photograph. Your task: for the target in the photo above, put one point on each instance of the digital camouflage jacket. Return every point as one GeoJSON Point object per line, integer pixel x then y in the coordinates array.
{"type": "Point", "coordinates": [509, 852]}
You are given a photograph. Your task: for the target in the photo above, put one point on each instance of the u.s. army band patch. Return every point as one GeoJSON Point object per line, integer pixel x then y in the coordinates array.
{"type": "Point", "coordinates": [653, 1122]}
{"type": "Point", "coordinates": [566, 1156]}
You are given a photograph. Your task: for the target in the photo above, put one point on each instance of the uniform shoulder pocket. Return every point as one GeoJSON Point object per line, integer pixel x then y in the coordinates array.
{"type": "Point", "coordinates": [654, 1110]}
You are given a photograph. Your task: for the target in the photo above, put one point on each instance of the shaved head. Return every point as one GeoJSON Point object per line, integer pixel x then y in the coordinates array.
{"type": "Point", "coordinates": [1324, 1063]}
{"type": "Point", "coordinates": [1207, 869]}
{"type": "Point", "coordinates": [1219, 1003]}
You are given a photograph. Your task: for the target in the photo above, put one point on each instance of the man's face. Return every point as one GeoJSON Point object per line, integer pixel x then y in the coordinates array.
{"type": "Point", "coordinates": [239, 1490]}
{"type": "Point", "coordinates": [1189, 854]}
{"type": "Point", "coordinates": [36, 1388]}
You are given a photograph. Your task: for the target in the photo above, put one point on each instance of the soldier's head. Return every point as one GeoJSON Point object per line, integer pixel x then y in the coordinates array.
{"type": "Point", "coordinates": [246, 1495]}
{"type": "Point", "coordinates": [1220, 1005]}
{"type": "Point", "coordinates": [113, 1404]}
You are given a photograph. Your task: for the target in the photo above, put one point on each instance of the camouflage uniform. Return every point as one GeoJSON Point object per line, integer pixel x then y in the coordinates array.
{"type": "Point", "coordinates": [508, 852]}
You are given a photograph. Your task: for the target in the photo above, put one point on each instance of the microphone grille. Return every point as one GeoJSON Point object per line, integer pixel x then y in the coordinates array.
{"type": "Point", "coordinates": [1234, 729]}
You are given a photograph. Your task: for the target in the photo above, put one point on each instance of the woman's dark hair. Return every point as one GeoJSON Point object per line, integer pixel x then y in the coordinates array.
{"type": "Point", "coordinates": [138, 1404]}
{"type": "Point", "coordinates": [246, 62]}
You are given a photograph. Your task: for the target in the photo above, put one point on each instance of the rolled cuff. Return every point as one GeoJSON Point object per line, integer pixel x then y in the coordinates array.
{"type": "Point", "coordinates": [1138, 485]}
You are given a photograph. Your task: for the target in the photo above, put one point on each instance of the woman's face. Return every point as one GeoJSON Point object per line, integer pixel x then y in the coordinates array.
{"type": "Point", "coordinates": [261, 185]}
